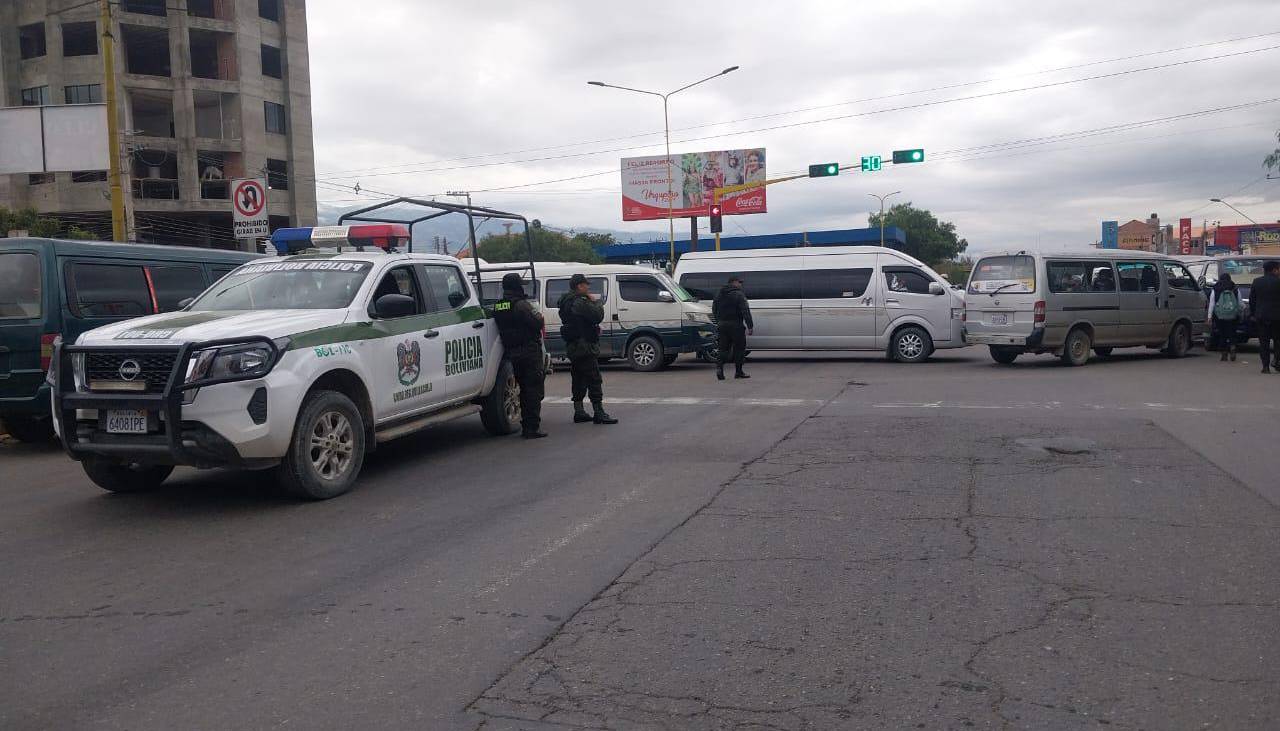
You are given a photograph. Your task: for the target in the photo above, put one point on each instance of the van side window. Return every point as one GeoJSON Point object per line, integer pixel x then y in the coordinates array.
{"type": "Point", "coordinates": [784, 284]}
{"type": "Point", "coordinates": [908, 280]}
{"type": "Point", "coordinates": [639, 289]}
{"type": "Point", "coordinates": [702, 284]}
{"type": "Point", "coordinates": [557, 287]}
{"type": "Point", "coordinates": [836, 283]}
{"type": "Point", "coordinates": [1178, 276]}
{"type": "Point", "coordinates": [20, 288]}
{"type": "Point", "coordinates": [107, 290]}
{"type": "Point", "coordinates": [1080, 277]}
{"type": "Point", "coordinates": [1138, 276]}
{"type": "Point", "coordinates": [175, 283]}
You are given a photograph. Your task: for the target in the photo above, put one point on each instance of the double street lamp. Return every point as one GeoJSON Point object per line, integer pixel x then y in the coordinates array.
{"type": "Point", "coordinates": [882, 200]}
{"type": "Point", "coordinates": [666, 124]}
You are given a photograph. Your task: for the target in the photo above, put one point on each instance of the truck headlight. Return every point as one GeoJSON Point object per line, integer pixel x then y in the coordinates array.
{"type": "Point", "coordinates": [232, 362]}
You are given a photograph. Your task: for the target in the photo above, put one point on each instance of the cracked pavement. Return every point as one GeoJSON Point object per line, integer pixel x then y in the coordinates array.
{"type": "Point", "coordinates": [849, 578]}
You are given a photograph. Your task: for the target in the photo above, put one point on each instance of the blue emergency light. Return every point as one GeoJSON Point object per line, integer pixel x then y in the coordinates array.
{"type": "Point", "coordinates": [385, 236]}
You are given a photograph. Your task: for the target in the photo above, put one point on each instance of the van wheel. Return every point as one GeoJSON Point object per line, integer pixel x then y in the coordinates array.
{"type": "Point", "coordinates": [500, 410]}
{"type": "Point", "coordinates": [327, 449]}
{"type": "Point", "coordinates": [911, 345]}
{"type": "Point", "coordinates": [1103, 352]}
{"type": "Point", "coordinates": [1179, 341]}
{"type": "Point", "coordinates": [1004, 355]}
{"type": "Point", "coordinates": [116, 476]}
{"type": "Point", "coordinates": [645, 353]}
{"type": "Point", "coordinates": [1075, 351]}
{"type": "Point", "coordinates": [29, 429]}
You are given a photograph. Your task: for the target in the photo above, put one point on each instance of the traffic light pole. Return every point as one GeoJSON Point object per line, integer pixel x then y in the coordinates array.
{"type": "Point", "coordinates": [718, 192]}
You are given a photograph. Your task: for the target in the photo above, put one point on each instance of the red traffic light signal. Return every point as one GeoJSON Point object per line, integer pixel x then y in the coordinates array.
{"type": "Point", "coordinates": [717, 218]}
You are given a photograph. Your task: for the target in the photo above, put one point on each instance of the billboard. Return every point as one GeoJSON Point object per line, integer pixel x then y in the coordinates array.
{"type": "Point", "coordinates": [1110, 234]}
{"type": "Point", "coordinates": [694, 176]}
{"type": "Point", "coordinates": [61, 138]}
{"type": "Point", "coordinates": [1184, 235]}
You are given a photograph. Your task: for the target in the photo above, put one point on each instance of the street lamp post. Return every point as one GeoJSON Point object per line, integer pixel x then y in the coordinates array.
{"type": "Point", "coordinates": [882, 200]}
{"type": "Point", "coordinates": [666, 125]}
{"type": "Point", "coordinates": [1237, 210]}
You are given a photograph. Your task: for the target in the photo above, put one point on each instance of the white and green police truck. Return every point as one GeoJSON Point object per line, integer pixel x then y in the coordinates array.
{"type": "Point", "coordinates": [302, 363]}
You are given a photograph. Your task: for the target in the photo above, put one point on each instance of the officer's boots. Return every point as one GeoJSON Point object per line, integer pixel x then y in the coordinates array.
{"type": "Point", "coordinates": [739, 374]}
{"type": "Point", "coordinates": [601, 417]}
{"type": "Point", "coordinates": [580, 415]}
{"type": "Point", "coordinates": [719, 371]}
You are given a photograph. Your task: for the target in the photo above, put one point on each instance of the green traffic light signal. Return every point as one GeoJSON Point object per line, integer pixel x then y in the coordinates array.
{"type": "Point", "coordinates": [905, 156]}
{"type": "Point", "coordinates": [824, 170]}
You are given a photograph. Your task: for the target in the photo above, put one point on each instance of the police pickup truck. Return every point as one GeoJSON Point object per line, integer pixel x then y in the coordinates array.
{"type": "Point", "coordinates": [300, 362]}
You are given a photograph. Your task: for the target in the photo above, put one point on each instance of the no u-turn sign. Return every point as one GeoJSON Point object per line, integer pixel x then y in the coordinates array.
{"type": "Point", "coordinates": [249, 208]}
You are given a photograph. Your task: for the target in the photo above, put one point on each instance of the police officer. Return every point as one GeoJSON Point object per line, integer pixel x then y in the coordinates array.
{"type": "Point", "coordinates": [581, 314]}
{"type": "Point", "coordinates": [732, 314]}
{"type": "Point", "coordinates": [520, 326]}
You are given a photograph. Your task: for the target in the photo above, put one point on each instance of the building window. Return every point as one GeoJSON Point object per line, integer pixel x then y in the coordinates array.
{"type": "Point", "coordinates": [39, 178]}
{"type": "Point", "coordinates": [146, 7]}
{"type": "Point", "coordinates": [277, 174]}
{"type": "Point", "coordinates": [80, 39]}
{"type": "Point", "coordinates": [271, 62]}
{"type": "Point", "coordinates": [36, 96]}
{"type": "Point", "coordinates": [146, 50]}
{"type": "Point", "coordinates": [275, 117]}
{"type": "Point", "coordinates": [31, 41]}
{"type": "Point", "coordinates": [89, 176]}
{"type": "Point", "coordinates": [83, 94]}
{"type": "Point", "coordinates": [269, 9]}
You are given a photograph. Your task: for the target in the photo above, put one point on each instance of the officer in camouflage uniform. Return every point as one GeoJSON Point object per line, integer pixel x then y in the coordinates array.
{"type": "Point", "coordinates": [581, 314]}
{"type": "Point", "coordinates": [520, 326]}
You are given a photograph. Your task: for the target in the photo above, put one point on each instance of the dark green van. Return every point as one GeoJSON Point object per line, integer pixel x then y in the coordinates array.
{"type": "Point", "coordinates": [51, 287]}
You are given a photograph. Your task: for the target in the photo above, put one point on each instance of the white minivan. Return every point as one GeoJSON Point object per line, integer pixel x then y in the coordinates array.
{"type": "Point", "coordinates": [648, 319]}
{"type": "Point", "coordinates": [835, 298]}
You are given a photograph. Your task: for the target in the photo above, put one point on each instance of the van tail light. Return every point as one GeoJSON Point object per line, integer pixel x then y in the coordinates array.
{"type": "Point", "coordinates": [46, 350]}
{"type": "Point", "coordinates": [1038, 318]}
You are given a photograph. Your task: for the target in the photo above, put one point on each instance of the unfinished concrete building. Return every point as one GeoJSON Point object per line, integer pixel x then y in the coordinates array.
{"type": "Point", "coordinates": [207, 91]}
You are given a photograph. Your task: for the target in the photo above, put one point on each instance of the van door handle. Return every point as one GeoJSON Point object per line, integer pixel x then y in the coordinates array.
{"type": "Point", "coordinates": [892, 302]}
{"type": "Point", "coordinates": [431, 334]}
{"type": "Point", "coordinates": [477, 324]}
{"type": "Point", "coordinates": [622, 309]}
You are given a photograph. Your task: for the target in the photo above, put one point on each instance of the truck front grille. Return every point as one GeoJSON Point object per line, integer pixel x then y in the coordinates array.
{"type": "Point", "coordinates": [116, 366]}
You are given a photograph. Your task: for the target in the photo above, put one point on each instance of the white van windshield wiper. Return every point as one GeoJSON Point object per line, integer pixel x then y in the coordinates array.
{"type": "Point", "coordinates": [1003, 287]}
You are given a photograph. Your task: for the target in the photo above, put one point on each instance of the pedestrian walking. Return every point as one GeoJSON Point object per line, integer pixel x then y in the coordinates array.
{"type": "Point", "coordinates": [1264, 306]}
{"type": "Point", "coordinates": [520, 327]}
{"type": "Point", "coordinates": [580, 315]}
{"type": "Point", "coordinates": [1224, 310]}
{"type": "Point", "coordinates": [732, 313]}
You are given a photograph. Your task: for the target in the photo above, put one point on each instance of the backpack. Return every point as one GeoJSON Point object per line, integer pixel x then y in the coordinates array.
{"type": "Point", "coordinates": [1227, 307]}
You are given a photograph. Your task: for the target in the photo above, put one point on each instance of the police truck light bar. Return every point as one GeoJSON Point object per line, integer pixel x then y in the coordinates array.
{"type": "Point", "coordinates": [905, 156]}
{"type": "Point", "coordinates": [824, 170]}
{"type": "Point", "coordinates": [385, 236]}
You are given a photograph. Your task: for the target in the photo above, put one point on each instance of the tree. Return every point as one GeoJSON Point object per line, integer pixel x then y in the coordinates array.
{"type": "Point", "coordinates": [80, 234]}
{"type": "Point", "coordinates": [1272, 161]}
{"type": "Point", "coordinates": [595, 239]}
{"type": "Point", "coordinates": [548, 245]}
{"type": "Point", "coordinates": [29, 220]}
{"type": "Point", "coordinates": [928, 239]}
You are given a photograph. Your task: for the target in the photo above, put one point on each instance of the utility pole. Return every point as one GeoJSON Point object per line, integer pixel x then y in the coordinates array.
{"type": "Point", "coordinates": [113, 125]}
{"type": "Point", "coordinates": [693, 233]}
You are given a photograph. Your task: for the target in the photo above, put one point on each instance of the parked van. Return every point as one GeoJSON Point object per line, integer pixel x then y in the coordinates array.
{"type": "Point", "coordinates": [1243, 268]}
{"type": "Point", "coordinates": [1079, 303]}
{"type": "Point", "coordinates": [835, 298]}
{"type": "Point", "coordinates": [648, 319]}
{"type": "Point", "coordinates": [50, 288]}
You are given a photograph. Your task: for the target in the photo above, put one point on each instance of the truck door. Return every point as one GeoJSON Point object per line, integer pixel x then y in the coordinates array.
{"type": "Point", "coordinates": [469, 338]}
{"type": "Point", "coordinates": [408, 353]}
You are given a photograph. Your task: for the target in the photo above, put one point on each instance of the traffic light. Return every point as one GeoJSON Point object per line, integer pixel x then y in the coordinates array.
{"type": "Point", "coordinates": [904, 156]}
{"type": "Point", "coordinates": [824, 170]}
{"type": "Point", "coordinates": [871, 163]}
{"type": "Point", "coordinates": [717, 219]}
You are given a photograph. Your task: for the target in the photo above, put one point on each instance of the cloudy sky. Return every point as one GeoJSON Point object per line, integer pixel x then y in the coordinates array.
{"type": "Point", "coordinates": [419, 97]}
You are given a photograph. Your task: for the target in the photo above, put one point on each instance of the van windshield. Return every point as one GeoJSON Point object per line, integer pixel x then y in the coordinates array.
{"type": "Point", "coordinates": [1013, 274]}
{"type": "Point", "coordinates": [286, 285]}
{"type": "Point", "coordinates": [20, 286]}
{"type": "Point", "coordinates": [1243, 270]}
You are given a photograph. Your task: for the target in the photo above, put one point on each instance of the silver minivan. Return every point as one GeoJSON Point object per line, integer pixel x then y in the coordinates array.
{"type": "Point", "coordinates": [1076, 304]}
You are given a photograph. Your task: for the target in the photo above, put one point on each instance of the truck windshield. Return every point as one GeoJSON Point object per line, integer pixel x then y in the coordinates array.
{"type": "Point", "coordinates": [1012, 274]}
{"type": "Point", "coordinates": [285, 285]}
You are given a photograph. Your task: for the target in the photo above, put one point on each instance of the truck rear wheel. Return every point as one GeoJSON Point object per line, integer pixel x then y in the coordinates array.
{"type": "Point", "coordinates": [500, 410]}
{"type": "Point", "coordinates": [115, 476]}
{"type": "Point", "coordinates": [327, 449]}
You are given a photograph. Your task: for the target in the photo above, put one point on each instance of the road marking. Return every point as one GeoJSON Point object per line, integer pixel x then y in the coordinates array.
{"type": "Point", "coordinates": [610, 508]}
{"type": "Point", "coordinates": [699, 401]}
{"type": "Point", "coordinates": [1060, 406]}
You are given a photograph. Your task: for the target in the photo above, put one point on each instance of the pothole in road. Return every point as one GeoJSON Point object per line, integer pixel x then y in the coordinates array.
{"type": "Point", "coordinates": [1060, 445]}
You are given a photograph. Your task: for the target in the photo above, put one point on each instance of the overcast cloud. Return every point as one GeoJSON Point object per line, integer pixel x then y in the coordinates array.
{"type": "Point", "coordinates": [420, 84]}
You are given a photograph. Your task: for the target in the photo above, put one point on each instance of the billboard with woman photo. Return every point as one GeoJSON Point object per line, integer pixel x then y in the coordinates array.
{"type": "Point", "coordinates": [694, 177]}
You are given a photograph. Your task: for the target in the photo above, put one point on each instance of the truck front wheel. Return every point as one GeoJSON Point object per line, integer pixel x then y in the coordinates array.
{"type": "Point", "coordinates": [115, 476]}
{"type": "Point", "coordinates": [327, 449]}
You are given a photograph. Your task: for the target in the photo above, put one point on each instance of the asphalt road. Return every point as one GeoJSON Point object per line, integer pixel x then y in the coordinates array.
{"type": "Point", "coordinates": [835, 543]}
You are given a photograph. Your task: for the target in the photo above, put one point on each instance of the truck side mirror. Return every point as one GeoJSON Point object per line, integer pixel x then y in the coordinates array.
{"type": "Point", "coordinates": [935, 288]}
{"type": "Point", "coordinates": [394, 305]}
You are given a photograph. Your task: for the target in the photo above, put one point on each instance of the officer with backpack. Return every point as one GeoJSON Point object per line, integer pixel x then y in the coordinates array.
{"type": "Point", "coordinates": [1224, 308]}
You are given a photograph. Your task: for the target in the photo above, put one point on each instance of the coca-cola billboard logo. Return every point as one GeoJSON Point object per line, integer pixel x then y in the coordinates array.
{"type": "Point", "coordinates": [750, 201]}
